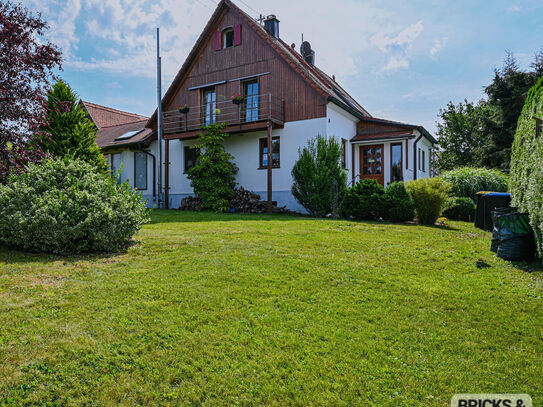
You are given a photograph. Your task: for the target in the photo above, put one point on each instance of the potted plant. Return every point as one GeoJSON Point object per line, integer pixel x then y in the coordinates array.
{"type": "Point", "coordinates": [184, 109]}
{"type": "Point", "coordinates": [237, 98]}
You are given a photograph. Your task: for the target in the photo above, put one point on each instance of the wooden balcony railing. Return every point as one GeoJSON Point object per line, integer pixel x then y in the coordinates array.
{"type": "Point", "coordinates": [244, 116]}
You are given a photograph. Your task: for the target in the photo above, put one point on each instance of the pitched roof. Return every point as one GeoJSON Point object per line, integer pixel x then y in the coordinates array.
{"type": "Point", "coordinates": [103, 116]}
{"type": "Point", "coordinates": [422, 130]}
{"type": "Point", "coordinates": [314, 76]}
{"type": "Point", "coordinates": [108, 137]}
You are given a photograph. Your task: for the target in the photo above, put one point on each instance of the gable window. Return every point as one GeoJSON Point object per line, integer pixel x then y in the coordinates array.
{"type": "Point", "coordinates": [228, 38]}
{"type": "Point", "coordinates": [396, 172]}
{"type": "Point", "coordinates": [191, 155]}
{"type": "Point", "coordinates": [116, 167]}
{"type": "Point", "coordinates": [209, 106]}
{"type": "Point", "coordinates": [140, 170]}
{"type": "Point", "coordinates": [275, 156]}
{"type": "Point", "coordinates": [250, 96]}
{"type": "Point", "coordinates": [343, 153]}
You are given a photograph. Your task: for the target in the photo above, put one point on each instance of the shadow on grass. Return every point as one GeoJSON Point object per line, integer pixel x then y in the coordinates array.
{"type": "Point", "coordinates": [532, 266]}
{"type": "Point", "coordinates": [11, 256]}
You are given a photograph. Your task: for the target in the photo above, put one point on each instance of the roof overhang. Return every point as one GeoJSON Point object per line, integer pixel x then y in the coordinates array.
{"type": "Point", "coordinates": [373, 140]}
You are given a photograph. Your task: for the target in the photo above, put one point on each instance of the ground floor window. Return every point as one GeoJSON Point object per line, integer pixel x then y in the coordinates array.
{"type": "Point", "coordinates": [396, 172]}
{"type": "Point", "coordinates": [116, 167]}
{"type": "Point", "coordinates": [423, 161]}
{"type": "Point", "coordinates": [140, 170]}
{"type": "Point", "coordinates": [191, 155]}
{"type": "Point", "coordinates": [275, 155]}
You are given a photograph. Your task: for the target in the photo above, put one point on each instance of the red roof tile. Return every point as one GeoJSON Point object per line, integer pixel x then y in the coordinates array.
{"type": "Point", "coordinates": [103, 116]}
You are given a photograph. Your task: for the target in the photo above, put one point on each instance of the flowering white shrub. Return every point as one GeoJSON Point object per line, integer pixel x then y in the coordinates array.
{"type": "Point", "coordinates": [467, 181]}
{"type": "Point", "coordinates": [65, 206]}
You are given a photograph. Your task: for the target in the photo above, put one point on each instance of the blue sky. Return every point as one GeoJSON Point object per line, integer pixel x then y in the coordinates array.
{"type": "Point", "coordinates": [402, 60]}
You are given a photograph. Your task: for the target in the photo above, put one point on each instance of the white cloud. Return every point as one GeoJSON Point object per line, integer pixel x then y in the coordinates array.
{"type": "Point", "coordinates": [397, 47]}
{"type": "Point", "coordinates": [438, 45]}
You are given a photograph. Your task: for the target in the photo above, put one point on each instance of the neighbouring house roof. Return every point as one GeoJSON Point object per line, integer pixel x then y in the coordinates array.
{"type": "Point", "coordinates": [313, 75]}
{"type": "Point", "coordinates": [112, 136]}
{"type": "Point", "coordinates": [103, 116]}
{"type": "Point", "coordinates": [113, 124]}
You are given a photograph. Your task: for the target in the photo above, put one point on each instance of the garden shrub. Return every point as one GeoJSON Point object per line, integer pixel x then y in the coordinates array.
{"type": "Point", "coordinates": [429, 196]}
{"type": "Point", "coordinates": [467, 181]}
{"type": "Point", "coordinates": [365, 200]}
{"type": "Point", "coordinates": [398, 203]}
{"type": "Point", "coordinates": [459, 208]}
{"type": "Point", "coordinates": [213, 177]}
{"type": "Point", "coordinates": [319, 180]}
{"type": "Point", "coordinates": [67, 206]}
{"type": "Point", "coordinates": [526, 162]}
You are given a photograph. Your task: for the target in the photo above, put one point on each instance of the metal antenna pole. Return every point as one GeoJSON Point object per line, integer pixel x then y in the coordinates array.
{"type": "Point", "coordinates": [159, 114]}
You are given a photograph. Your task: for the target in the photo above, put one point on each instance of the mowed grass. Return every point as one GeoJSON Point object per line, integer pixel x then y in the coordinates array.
{"type": "Point", "coordinates": [271, 310]}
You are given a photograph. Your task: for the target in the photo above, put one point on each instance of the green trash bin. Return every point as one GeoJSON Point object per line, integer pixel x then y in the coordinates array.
{"type": "Point", "coordinates": [513, 237]}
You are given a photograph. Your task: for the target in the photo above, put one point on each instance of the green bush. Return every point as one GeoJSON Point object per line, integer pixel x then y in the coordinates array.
{"type": "Point", "coordinates": [319, 181]}
{"type": "Point", "coordinates": [67, 206]}
{"type": "Point", "coordinates": [365, 200]}
{"type": "Point", "coordinates": [430, 196]}
{"type": "Point", "coordinates": [213, 177]}
{"type": "Point", "coordinates": [467, 181]}
{"type": "Point", "coordinates": [399, 205]}
{"type": "Point", "coordinates": [526, 163]}
{"type": "Point", "coordinates": [460, 209]}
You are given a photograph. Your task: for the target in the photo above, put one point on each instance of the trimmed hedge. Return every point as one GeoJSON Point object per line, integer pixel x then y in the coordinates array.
{"type": "Point", "coordinates": [526, 183]}
{"type": "Point", "coordinates": [365, 200]}
{"type": "Point", "coordinates": [67, 206]}
{"type": "Point", "coordinates": [467, 181]}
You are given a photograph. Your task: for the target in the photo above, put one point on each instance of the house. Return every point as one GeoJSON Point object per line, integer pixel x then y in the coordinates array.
{"type": "Point", "coordinates": [287, 100]}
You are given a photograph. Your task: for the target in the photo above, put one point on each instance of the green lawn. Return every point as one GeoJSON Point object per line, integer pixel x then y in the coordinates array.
{"type": "Point", "coordinates": [271, 310]}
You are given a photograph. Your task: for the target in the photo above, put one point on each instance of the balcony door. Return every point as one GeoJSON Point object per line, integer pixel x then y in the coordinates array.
{"type": "Point", "coordinates": [371, 163]}
{"type": "Point", "coordinates": [250, 106]}
{"type": "Point", "coordinates": [209, 106]}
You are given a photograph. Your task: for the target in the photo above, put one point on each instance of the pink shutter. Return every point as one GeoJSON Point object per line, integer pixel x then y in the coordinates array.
{"type": "Point", "coordinates": [218, 41]}
{"type": "Point", "coordinates": [237, 35]}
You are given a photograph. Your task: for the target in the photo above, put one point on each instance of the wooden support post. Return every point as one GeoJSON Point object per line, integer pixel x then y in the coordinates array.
{"type": "Point", "coordinates": [167, 175]}
{"type": "Point", "coordinates": [269, 168]}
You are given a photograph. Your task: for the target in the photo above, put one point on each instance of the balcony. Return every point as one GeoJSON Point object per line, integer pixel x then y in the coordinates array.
{"type": "Point", "coordinates": [252, 114]}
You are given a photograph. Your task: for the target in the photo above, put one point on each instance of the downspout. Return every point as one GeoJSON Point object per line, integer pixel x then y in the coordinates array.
{"type": "Point", "coordinates": [167, 176]}
{"type": "Point", "coordinates": [415, 156]}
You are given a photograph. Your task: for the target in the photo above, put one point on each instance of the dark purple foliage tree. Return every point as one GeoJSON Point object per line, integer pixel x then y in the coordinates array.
{"type": "Point", "coordinates": [27, 62]}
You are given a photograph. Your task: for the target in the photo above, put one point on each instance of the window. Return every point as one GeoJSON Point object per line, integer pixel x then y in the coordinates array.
{"type": "Point", "coordinates": [343, 153]}
{"type": "Point", "coordinates": [419, 161]}
{"type": "Point", "coordinates": [423, 163]}
{"type": "Point", "coordinates": [264, 152]}
{"type": "Point", "coordinates": [116, 167]}
{"type": "Point", "coordinates": [209, 106]}
{"type": "Point", "coordinates": [140, 170]}
{"type": "Point", "coordinates": [250, 95]}
{"type": "Point", "coordinates": [191, 155]}
{"type": "Point", "coordinates": [228, 38]}
{"type": "Point", "coordinates": [396, 172]}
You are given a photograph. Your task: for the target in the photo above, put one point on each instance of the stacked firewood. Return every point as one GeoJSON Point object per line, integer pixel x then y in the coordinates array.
{"type": "Point", "coordinates": [191, 203]}
{"type": "Point", "coordinates": [243, 201]}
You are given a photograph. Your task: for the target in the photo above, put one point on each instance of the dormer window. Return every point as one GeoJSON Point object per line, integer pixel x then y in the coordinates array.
{"type": "Point", "coordinates": [228, 38]}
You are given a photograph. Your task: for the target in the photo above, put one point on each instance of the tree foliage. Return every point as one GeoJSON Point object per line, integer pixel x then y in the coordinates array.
{"type": "Point", "coordinates": [526, 183]}
{"type": "Point", "coordinates": [430, 196]}
{"type": "Point", "coordinates": [482, 134]}
{"type": "Point", "coordinates": [467, 181]}
{"type": "Point", "coordinates": [213, 177]}
{"type": "Point", "coordinates": [365, 200]}
{"type": "Point", "coordinates": [319, 180]}
{"type": "Point", "coordinates": [67, 132]}
{"type": "Point", "coordinates": [27, 63]}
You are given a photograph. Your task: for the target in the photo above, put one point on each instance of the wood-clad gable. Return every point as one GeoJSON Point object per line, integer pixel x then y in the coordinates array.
{"type": "Point", "coordinates": [252, 56]}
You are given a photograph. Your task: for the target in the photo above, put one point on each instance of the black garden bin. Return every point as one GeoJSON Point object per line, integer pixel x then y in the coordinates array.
{"type": "Point", "coordinates": [487, 202]}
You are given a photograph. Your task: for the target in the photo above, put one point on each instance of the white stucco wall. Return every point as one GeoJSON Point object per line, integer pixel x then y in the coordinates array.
{"type": "Point", "coordinates": [342, 125]}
